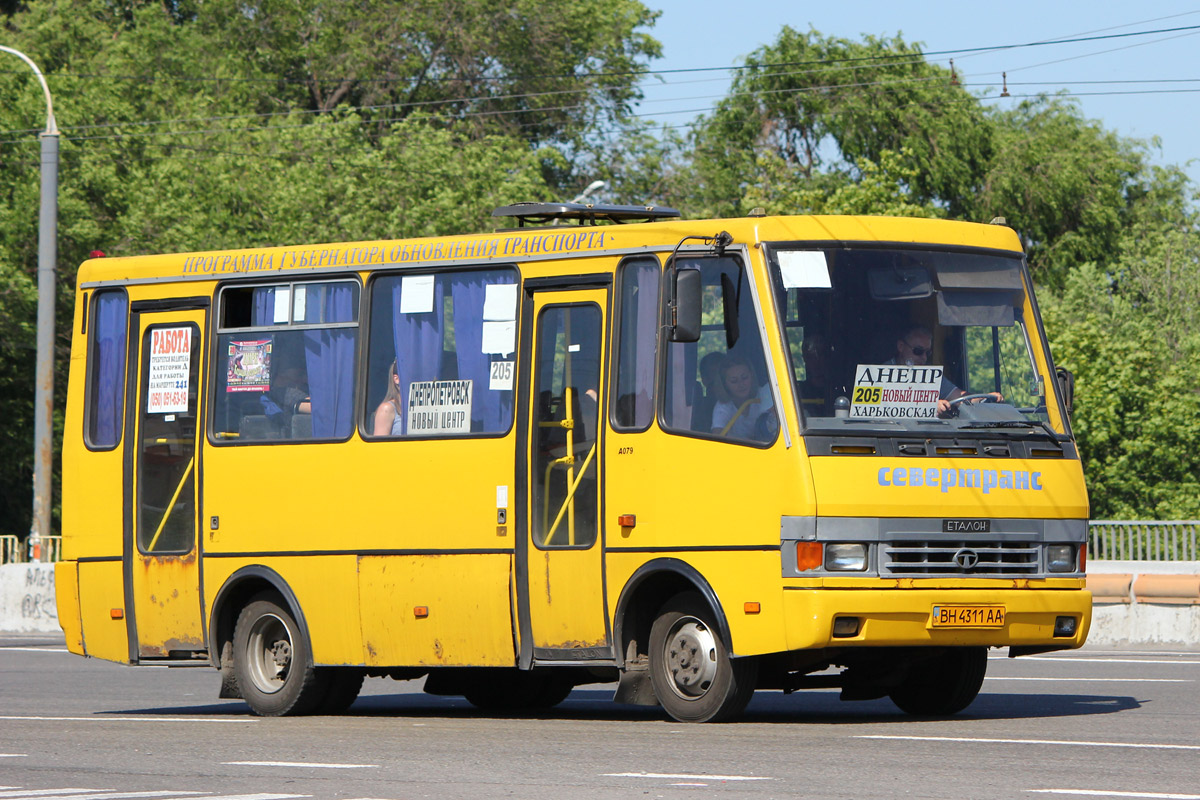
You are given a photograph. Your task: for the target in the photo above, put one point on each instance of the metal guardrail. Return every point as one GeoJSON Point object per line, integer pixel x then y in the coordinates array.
{"type": "Point", "coordinates": [1144, 540]}
{"type": "Point", "coordinates": [16, 551]}
{"type": "Point", "coordinates": [10, 549]}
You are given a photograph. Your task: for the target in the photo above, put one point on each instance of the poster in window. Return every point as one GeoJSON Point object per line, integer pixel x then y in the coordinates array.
{"type": "Point", "coordinates": [170, 370]}
{"type": "Point", "coordinates": [249, 366]}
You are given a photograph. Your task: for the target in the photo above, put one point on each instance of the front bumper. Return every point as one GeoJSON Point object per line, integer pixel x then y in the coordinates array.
{"type": "Point", "coordinates": [902, 618]}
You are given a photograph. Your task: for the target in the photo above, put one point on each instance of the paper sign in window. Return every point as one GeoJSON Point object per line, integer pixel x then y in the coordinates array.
{"type": "Point", "coordinates": [299, 307]}
{"type": "Point", "coordinates": [170, 370]}
{"type": "Point", "coordinates": [439, 407]}
{"type": "Point", "coordinates": [804, 269]}
{"type": "Point", "coordinates": [500, 302]}
{"type": "Point", "coordinates": [416, 294]}
{"type": "Point", "coordinates": [499, 337]}
{"type": "Point", "coordinates": [283, 296]}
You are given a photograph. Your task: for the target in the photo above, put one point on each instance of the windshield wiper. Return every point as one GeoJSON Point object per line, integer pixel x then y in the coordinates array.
{"type": "Point", "coordinates": [1019, 423]}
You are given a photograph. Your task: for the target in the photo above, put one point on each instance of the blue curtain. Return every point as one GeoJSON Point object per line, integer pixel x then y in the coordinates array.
{"type": "Point", "coordinates": [491, 410]}
{"type": "Point", "coordinates": [264, 305]}
{"type": "Point", "coordinates": [329, 358]}
{"type": "Point", "coordinates": [108, 371]}
{"type": "Point", "coordinates": [418, 341]}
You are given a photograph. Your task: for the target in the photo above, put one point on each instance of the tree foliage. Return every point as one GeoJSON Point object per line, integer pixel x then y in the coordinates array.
{"type": "Point", "coordinates": [203, 124]}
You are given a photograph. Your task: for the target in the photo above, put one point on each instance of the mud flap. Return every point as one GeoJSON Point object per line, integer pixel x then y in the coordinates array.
{"type": "Point", "coordinates": [634, 688]}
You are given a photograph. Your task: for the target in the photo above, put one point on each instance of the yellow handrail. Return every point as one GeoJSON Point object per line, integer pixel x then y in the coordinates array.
{"type": "Point", "coordinates": [569, 499]}
{"type": "Point", "coordinates": [167, 513]}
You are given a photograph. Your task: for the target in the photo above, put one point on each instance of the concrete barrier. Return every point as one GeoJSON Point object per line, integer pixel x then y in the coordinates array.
{"type": "Point", "coordinates": [1135, 602]}
{"type": "Point", "coordinates": [27, 599]}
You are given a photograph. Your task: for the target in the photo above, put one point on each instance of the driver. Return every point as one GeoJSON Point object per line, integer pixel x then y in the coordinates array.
{"type": "Point", "coordinates": [914, 349]}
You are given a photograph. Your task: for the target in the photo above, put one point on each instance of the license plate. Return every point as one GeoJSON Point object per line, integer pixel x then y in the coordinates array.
{"type": "Point", "coordinates": [967, 617]}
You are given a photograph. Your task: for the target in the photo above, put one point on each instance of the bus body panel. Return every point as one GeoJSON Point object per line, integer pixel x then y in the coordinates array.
{"type": "Point", "coordinates": [326, 589]}
{"type": "Point", "coordinates": [66, 591]}
{"type": "Point", "coordinates": [869, 486]}
{"type": "Point", "coordinates": [414, 614]}
{"type": "Point", "coordinates": [101, 590]}
{"type": "Point", "coordinates": [737, 577]}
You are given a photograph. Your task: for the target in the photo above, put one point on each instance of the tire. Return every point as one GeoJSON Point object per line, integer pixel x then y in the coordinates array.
{"type": "Point", "coordinates": [343, 686]}
{"type": "Point", "coordinates": [693, 676]}
{"type": "Point", "coordinates": [273, 661]}
{"type": "Point", "coordinates": [943, 685]}
{"type": "Point", "coordinates": [518, 691]}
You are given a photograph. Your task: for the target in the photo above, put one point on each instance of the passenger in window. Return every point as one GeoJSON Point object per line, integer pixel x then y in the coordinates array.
{"type": "Point", "coordinates": [711, 392]}
{"type": "Point", "coordinates": [748, 413]}
{"type": "Point", "coordinates": [914, 348]}
{"type": "Point", "coordinates": [287, 397]}
{"type": "Point", "coordinates": [389, 420]}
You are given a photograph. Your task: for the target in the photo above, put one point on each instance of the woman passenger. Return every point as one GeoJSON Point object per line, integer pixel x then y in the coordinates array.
{"type": "Point", "coordinates": [388, 418]}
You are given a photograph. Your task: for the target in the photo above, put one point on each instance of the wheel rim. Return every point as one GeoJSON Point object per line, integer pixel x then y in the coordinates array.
{"type": "Point", "coordinates": [690, 657]}
{"type": "Point", "coordinates": [269, 653]}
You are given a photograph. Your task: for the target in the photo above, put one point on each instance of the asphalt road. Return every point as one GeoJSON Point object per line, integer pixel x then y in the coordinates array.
{"type": "Point", "coordinates": [1093, 723]}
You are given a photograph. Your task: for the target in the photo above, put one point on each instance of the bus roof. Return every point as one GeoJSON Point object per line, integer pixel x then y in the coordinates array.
{"type": "Point", "coordinates": [538, 244]}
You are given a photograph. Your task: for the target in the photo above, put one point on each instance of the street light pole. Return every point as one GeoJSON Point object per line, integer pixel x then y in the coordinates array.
{"type": "Point", "coordinates": [43, 402]}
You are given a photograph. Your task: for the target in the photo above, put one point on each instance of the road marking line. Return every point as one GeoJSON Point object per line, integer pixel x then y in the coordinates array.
{"type": "Point", "coordinates": [257, 796]}
{"type": "Point", "coordinates": [1107, 680]}
{"type": "Point", "coordinates": [12, 755]}
{"type": "Point", "coordinates": [1035, 741]}
{"type": "Point", "coordinates": [1103, 793]}
{"type": "Point", "coordinates": [126, 719]}
{"type": "Point", "coordinates": [682, 777]}
{"type": "Point", "coordinates": [34, 649]}
{"type": "Point", "coordinates": [1108, 660]}
{"type": "Point", "coordinates": [314, 765]}
{"type": "Point", "coordinates": [95, 794]}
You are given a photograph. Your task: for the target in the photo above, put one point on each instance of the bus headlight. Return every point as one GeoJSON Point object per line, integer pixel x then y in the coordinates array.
{"type": "Point", "coordinates": [845, 557]}
{"type": "Point", "coordinates": [1060, 558]}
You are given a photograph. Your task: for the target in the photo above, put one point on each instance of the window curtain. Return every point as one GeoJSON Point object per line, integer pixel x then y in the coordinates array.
{"type": "Point", "coordinates": [418, 341]}
{"type": "Point", "coordinates": [329, 358]}
{"type": "Point", "coordinates": [491, 410]}
{"type": "Point", "coordinates": [109, 368]}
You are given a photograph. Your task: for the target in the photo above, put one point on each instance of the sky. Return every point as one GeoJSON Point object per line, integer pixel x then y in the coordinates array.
{"type": "Point", "coordinates": [1139, 86]}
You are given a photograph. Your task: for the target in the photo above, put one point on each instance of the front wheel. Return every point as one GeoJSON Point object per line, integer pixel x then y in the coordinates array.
{"type": "Point", "coordinates": [693, 676]}
{"type": "Point", "coordinates": [944, 684]}
{"type": "Point", "coordinates": [272, 661]}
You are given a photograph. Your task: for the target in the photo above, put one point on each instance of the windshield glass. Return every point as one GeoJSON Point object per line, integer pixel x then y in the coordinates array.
{"type": "Point", "coordinates": [909, 341]}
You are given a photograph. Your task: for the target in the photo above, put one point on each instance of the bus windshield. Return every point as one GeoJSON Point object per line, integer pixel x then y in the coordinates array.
{"type": "Point", "coordinates": [911, 341]}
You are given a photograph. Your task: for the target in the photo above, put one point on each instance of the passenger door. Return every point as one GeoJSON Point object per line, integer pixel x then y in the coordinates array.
{"type": "Point", "coordinates": [559, 574]}
{"type": "Point", "coordinates": [162, 576]}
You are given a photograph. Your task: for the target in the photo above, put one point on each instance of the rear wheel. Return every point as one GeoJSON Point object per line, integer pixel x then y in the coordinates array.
{"type": "Point", "coordinates": [272, 661]}
{"type": "Point", "coordinates": [694, 678]}
{"type": "Point", "coordinates": [943, 685]}
{"type": "Point", "coordinates": [344, 684]}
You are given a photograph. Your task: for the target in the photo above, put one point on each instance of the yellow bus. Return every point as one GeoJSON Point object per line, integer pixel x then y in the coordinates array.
{"type": "Point", "coordinates": [601, 444]}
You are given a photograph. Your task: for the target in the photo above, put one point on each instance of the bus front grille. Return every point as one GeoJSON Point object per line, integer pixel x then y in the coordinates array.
{"type": "Point", "coordinates": [966, 558]}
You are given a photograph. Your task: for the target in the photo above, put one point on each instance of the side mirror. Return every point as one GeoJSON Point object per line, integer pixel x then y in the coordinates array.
{"type": "Point", "coordinates": [1066, 385]}
{"type": "Point", "coordinates": [685, 308]}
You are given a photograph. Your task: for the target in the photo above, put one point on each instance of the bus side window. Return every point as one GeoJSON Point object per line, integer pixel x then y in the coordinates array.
{"type": "Point", "coordinates": [105, 412]}
{"type": "Point", "coordinates": [285, 364]}
{"type": "Point", "coordinates": [441, 360]}
{"type": "Point", "coordinates": [717, 386]}
{"type": "Point", "coordinates": [637, 339]}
